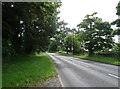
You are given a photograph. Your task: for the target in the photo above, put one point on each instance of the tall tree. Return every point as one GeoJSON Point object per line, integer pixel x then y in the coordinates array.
{"type": "Point", "coordinates": [61, 32]}
{"type": "Point", "coordinates": [28, 26]}
{"type": "Point", "coordinates": [117, 21]}
{"type": "Point", "coordinates": [53, 46]}
{"type": "Point", "coordinates": [117, 31]}
{"type": "Point", "coordinates": [72, 44]}
{"type": "Point", "coordinates": [118, 13]}
{"type": "Point", "coordinates": [96, 33]}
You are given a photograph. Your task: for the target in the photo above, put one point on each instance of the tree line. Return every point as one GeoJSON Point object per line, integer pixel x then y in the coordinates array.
{"type": "Point", "coordinates": [92, 35]}
{"type": "Point", "coordinates": [27, 26]}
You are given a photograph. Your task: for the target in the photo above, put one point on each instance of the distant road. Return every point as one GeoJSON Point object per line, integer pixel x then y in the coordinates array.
{"type": "Point", "coordinates": [75, 72]}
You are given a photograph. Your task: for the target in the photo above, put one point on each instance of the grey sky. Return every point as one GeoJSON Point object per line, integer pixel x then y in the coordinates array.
{"type": "Point", "coordinates": [74, 11]}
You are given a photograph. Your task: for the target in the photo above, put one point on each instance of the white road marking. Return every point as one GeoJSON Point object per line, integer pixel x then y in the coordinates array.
{"type": "Point", "coordinates": [114, 76]}
{"type": "Point", "coordinates": [62, 85]}
{"type": "Point", "coordinates": [75, 63]}
{"type": "Point", "coordinates": [85, 65]}
{"type": "Point", "coordinates": [70, 61]}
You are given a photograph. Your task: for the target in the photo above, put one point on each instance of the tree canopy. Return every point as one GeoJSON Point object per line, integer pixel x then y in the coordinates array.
{"type": "Point", "coordinates": [27, 26]}
{"type": "Point", "coordinates": [96, 33]}
{"type": "Point", "coordinates": [117, 21]}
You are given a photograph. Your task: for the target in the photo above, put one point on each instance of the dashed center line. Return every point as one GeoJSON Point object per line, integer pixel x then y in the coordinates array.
{"type": "Point", "coordinates": [114, 76]}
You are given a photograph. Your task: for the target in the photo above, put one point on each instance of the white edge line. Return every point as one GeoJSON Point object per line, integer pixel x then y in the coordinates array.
{"type": "Point", "coordinates": [61, 83]}
{"type": "Point", "coordinates": [114, 76]}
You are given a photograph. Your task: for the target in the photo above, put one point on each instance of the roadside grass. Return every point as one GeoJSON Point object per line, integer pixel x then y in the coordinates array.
{"type": "Point", "coordinates": [108, 60]}
{"type": "Point", "coordinates": [26, 71]}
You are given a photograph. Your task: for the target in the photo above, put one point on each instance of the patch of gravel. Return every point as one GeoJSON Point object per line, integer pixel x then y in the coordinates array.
{"type": "Point", "coordinates": [52, 82]}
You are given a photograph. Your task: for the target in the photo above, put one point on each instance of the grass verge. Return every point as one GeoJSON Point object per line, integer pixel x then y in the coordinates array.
{"type": "Point", "coordinates": [25, 71]}
{"type": "Point", "coordinates": [108, 60]}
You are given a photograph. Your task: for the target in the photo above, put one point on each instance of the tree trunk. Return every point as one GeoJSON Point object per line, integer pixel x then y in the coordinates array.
{"type": "Point", "coordinates": [67, 51]}
{"type": "Point", "coordinates": [91, 53]}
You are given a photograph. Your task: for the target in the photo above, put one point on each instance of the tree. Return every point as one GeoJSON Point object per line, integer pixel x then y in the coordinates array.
{"type": "Point", "coordinates": [27, 26]}
{"type": "Point", "coordinates": [117, 21]}
{"type": "Point", "coordinates": [96, 33]}
{"type": "Point", "coordinates": [53, 46]}
{"type": "Point", "coordinates": [68, 43]}
{"type": "Point", "coordinates": [76, 44]}
{"type": "Point", "coordinates": [61, 32]}
{"type": "Point", "coordinates": [118, 13]}
{"type": "Point", "coordinates": [80, 37]}
{"type": "Point", "coordinates": [117, 31]}
{"type": "Point", "coordinates": [71, 44]}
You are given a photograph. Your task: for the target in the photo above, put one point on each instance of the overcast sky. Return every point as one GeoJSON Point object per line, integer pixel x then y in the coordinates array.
{"type": "Point", "coordinates": [73, 11]}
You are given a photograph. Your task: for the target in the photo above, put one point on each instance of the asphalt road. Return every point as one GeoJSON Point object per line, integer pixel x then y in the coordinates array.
{"type": "Point", "coordinates": [75, 72]}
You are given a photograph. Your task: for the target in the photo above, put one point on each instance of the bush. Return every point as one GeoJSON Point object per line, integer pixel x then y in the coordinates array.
{"type": "Point", "coordinates": [7, 49]}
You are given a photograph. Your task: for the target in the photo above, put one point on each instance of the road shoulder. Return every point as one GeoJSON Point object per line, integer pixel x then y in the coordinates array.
{"type": "Point", "coordinates": [52, 82]}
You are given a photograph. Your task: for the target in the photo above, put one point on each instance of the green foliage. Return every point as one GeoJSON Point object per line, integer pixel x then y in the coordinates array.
{"type": "Point", "coordinates": [80, 38]}
{"type": "Point", "coordinates": [53, 46]}
{"type": "Point", "coordinates": [118, 8]}
{"type": "Point", "coordinates": [117, 21]}
{"type": "Point", "coordinates": [60, 35]}
{"type": "Point", "coordinates": [117, 49]}
{"type": "Point", "coordinates": [93, 35]}
{"type": "Point", "coordinates": [97, 58]}
{"type": "Point", "coordinates": [109, 60]}
{"type": "Point", "coordinates": [72, 44]}
{"type": "Point", "coordinates": [28, 26]}
{"type": "Point", "coordinates": [68, 43]}
{"type": "Point", "coordinates": [76, 45]}
{"type": "Point", "coordinates": [96, 33]}
{"type": "Point", "coordinates": [26, 71]}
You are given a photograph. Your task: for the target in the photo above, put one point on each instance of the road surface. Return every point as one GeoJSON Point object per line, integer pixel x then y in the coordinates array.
{"type": "Point", "coordinates": [75, 72]}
